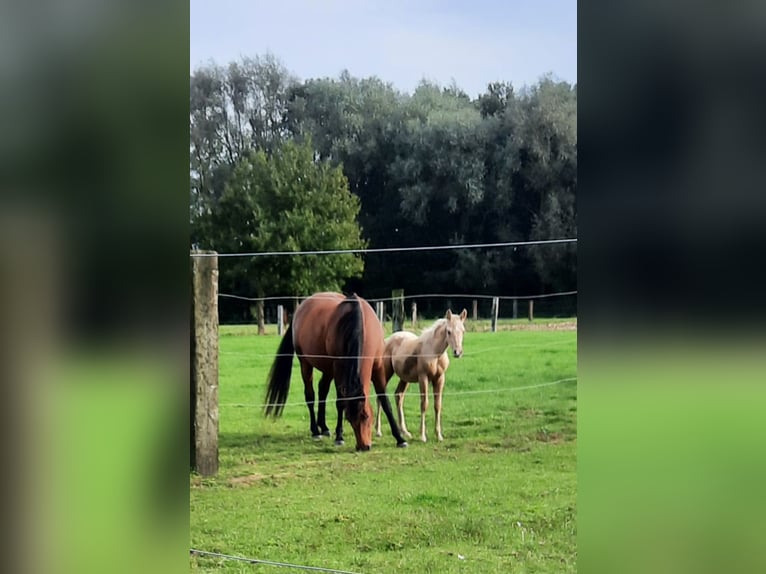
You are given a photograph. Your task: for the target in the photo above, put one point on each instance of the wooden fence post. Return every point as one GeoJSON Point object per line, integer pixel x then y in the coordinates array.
{"type": "Point", "coordinates": [397, 311]}
{"type": "Point", "coordinates": [531, 309]}
{"type": "Point", "coordinates": [495, 310]}
{"type": "Point", "coordinates": [414, 314]}
{"type": "Point", "coordinates": [280, 320]}
{"type": "Point", "coordinates": [515, 308]}
{"type": "Point", "coordinates": [475, 309]}
{"type": "Point", "coordinates": [380, 311]}
{"type": "Point", "coordinates": [204, 364]}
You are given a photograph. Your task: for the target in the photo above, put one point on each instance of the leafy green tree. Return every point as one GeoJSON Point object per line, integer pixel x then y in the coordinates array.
{"type": "Point", "coordinates": [206, 120]}
{"type": "Point", "coordinates": [285, 201]}
{"type": "Point", "coordinates": [437, 183]}
{"type": "Point", "coordinates": [353, 123]}
{"type": "Point", "coordinates": [358, 124]}
{"type": "Point", "coordinates": [440, 170]}
{"type": "Point", "coordinates": [542, 171]}
{"type": "Point", "coordinates": [495, 101]}
{"type": "Point", "coordinates": [232, 111]}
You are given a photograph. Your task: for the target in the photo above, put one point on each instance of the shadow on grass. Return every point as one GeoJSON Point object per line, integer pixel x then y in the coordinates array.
{"type": "Point", "coordinates": [293, 444]}
{"type": "Point", "coordinates": [279, 443]}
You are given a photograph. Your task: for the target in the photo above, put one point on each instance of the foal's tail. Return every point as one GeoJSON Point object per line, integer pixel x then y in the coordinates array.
{"type": "Point", "coordinates": [279, 376]}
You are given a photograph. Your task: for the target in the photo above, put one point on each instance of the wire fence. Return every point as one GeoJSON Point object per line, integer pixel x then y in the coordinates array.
{"type": "Point", "coordinates": [561, 304]}
{"type": "Point", "coordinates": [415, 297]}
{"type": "Point", "coordinates": [267, 562]}
{"type": "Point", "coordinates": [387, 249]}
{"type": "Point", "coordinates": [362, 397]}
{"type": "Point", "coordinates": [433, 356]}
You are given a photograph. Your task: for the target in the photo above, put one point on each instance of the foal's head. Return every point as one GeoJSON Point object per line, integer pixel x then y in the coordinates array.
{"type": "Point", "coordinates": [455, 330]}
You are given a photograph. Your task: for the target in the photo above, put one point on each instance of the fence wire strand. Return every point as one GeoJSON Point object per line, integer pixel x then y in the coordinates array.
{"type": "Point", "coordinates": [433, 356]}
{"type": "Point", "coordinates": [423, 296]}
{"type": "Point", "coordinates": [372, 394]}
{"type": "Point", "coordinates": [387, 249]}
{"type": "Point", "coordinates": [268, 562]}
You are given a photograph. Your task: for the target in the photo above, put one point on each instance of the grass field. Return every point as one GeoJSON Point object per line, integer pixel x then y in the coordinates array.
{"type": "Point", "coordinates": [498, 495]}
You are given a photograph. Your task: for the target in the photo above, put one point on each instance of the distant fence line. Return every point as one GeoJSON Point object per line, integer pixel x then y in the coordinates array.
{"type": "Point", "coordinates": [394, 307]}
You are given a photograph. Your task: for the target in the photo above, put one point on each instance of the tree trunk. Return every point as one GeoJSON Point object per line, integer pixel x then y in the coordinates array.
{"type": "Point", "coordinates": [259, 317]}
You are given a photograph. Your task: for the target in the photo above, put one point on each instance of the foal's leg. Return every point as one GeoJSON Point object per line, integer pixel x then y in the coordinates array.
{"type": "Point", "coordinates": [423, 381]}
{"type": "Point", "coordinates": [324, 390]}
{"type": "Point", "coordinates": [401, 388]}
{"type": "Point", "coordinates": [438, 388]}
{"type": "Point", "coordinates": [378, 431]}
{"type": "Point", "coordinates": [307, 372]}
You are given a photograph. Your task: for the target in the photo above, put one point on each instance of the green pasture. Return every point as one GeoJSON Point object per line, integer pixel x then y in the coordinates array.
{"type": "Point", "coordinates": [498, 495]}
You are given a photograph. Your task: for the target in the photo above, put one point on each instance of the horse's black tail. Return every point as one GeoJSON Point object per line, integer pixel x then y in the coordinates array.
{"type": "Point", "coordinates": [279, 376]}
{"type": "Point", "coordinates": [351, 331]}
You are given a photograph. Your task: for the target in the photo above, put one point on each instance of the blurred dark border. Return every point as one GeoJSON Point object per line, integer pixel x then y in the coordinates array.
{"type": "Point", "coordinates": [671, 165]}
{"type": "Point", "coordinates": [671, 208]}
{"type": "Point", "coordinates": [94, 261]}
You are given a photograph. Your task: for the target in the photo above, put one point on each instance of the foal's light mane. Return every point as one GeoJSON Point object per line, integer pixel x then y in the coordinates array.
{"type": "Point", "coordinates": [431, 336]}
{"type": "Point", "coordinates": [431, 330]}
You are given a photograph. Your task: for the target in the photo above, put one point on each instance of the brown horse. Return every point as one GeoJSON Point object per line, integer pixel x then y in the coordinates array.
{"type": "Point", "coordinates": [343, 339]}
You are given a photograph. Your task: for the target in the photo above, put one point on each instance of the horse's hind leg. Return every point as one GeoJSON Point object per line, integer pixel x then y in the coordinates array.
{"type": "Point", "coordinates": [324, 390]}
{"type": "Point", "coordinates": [307, 372]}
{"type": "Point", "coordinates": [438, 388]}
{"type": "Point", "coordinates": [401, 388]}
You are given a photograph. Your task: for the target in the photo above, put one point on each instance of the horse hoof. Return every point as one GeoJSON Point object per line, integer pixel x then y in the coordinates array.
{"type": "Point", "coordinates": [340, 442]}
{"type": "Point", "coordinates": [326, 433]}
{"type": "Point", "coordinates": [316, 436]}
{"type": "Point", "coordinates": [402, 444]}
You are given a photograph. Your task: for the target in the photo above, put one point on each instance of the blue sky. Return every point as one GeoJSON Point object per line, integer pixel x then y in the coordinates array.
{"type": "Point", "coordinates": [473, 42]}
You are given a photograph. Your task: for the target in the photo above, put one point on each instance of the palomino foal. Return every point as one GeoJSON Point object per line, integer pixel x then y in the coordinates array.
{"type": "Point", "coordinates": [420, 360]}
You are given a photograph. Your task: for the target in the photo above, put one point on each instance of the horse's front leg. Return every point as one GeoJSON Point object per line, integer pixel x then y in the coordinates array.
{"type": "Point", "coordinates": [423, 381]}
{"type": "Point", "coordinates": [339, 427]}
{"type": "Point", "coordinates": [401, 388]}
{"type": "Point", "coordinates": [438, 388]}
{"type": "Point", "coordinates": [379, 382]}
{"type": "Point", "coordinates": [324, 390]}
{"type": "Point", "coordinates": [378, 431]}
{"type": "Point", "coordinates": [307, 372]}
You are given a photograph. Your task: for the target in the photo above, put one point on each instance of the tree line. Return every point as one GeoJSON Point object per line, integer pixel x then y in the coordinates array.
{"type": "Point", "coordinates": [329, 163]}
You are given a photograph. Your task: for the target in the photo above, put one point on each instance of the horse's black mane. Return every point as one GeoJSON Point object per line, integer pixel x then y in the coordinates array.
{"type": "Point", "coordinates": [351, 332]}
